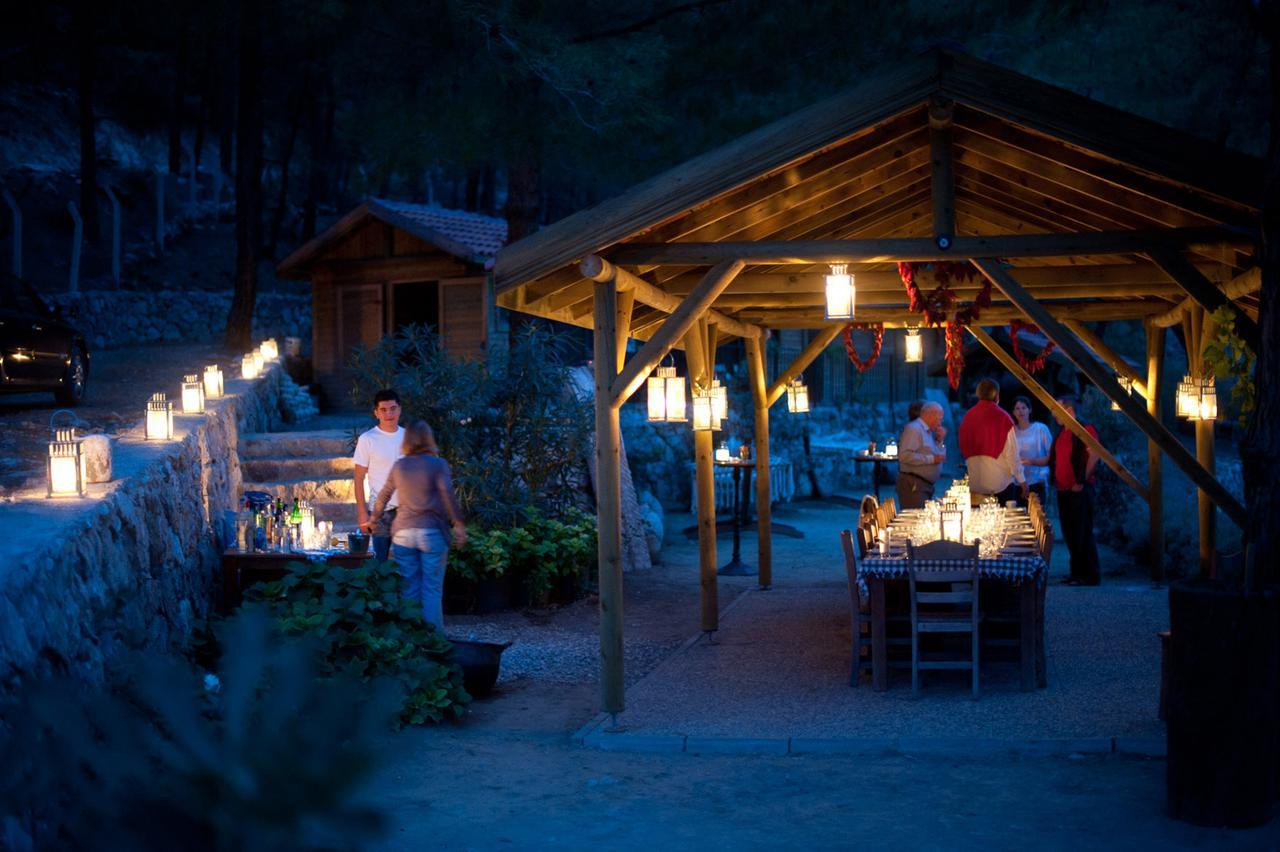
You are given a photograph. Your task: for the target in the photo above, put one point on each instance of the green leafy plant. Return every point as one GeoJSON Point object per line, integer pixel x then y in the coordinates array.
{"type": "Point", "coordinates": [261, 755]}
{"type": "Point", "coordinates": [362, 627]}
{"type": "Point", "coordinates": [1231, 358]}
{"type": "Point", "coordinates": [513, 430]}
{"type": "Point", "coordinates": [538, 552]}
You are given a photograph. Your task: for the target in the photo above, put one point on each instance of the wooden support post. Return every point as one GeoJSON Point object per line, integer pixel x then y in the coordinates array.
{"type": "Point", "coordinates": [815, 348]}
{"type": "Point", "coordinates": [703, 455]}
{"type": "Point", "coordinates": [1135, 411]}
{"type": "Point", "coordinates": [943, 181]}
{"type": "Point", "coordinates": [1205, 455]}
{"type": "Point", "coordinates": [1108, 355]}
{"type": "Point", "coordinates": [1155, 461]}
{"type": "Point", "coordinates": [626, 306]}
{"type": "Point", "coordinates": [1205, 292]}
{"type": "Point", "coordinates": [764, 510]}
{"type": "Point", "coordinates": [676, 326]}
{"type": "Point", "coordinates": [608, 498]}
{"type": "Point", "coordinates": [1051, 402]}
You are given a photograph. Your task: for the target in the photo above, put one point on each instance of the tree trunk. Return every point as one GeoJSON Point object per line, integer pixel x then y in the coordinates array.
{"type": "Point", "coordinates": [318, 127]}
{"type": "Point", "coordinates": [1261, 444]}
{"type": "Point", "coordinates": [487, 190]}
{"type": "Point", "coordinates": [286, 162]}
{"type": "Point", "coordinates": [248, 177]}
{"type": "Point", "coordinates": [175, 101]}
{"type": "Point", "coordinates": [85, 33]}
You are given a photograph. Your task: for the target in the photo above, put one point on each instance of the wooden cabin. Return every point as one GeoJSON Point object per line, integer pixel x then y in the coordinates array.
{"type": "Point", "coordinates": [388, 264]}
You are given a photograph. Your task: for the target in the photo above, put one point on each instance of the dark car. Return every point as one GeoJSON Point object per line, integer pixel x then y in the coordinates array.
{"type": "Point", "coordinates": [39, 349]}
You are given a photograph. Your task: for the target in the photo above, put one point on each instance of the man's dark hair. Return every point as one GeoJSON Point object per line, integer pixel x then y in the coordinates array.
{"type": "Point", "coordinates": [386, 395]}
{"type": "Point", "coordinates": [988, 390]}
{"type": "Point", "coordinates": [913, 410]}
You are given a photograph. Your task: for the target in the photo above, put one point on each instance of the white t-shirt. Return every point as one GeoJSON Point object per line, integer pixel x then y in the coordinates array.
{"type": "Point", "coordinates": [1035, 441]}
{"type": "Point", "coordinates": [378, 451]}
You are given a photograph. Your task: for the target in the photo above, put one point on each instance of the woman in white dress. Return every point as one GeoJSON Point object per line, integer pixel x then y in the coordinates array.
{"type": "Point", "coordinates": [1034, 447]}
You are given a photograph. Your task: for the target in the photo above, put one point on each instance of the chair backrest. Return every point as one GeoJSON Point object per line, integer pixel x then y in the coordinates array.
{"type": "Point", "coordinates": [851, 565]}
{"type": "Point", "coordinates": [890, 508]}
{"type": "Point", "coordinates": [1045, 539]}
{"type": "Point", "coordinates": [962, 580]}
{"type": "Point", "coordinates": [952, 551]}
{"type": "Point", "coordinates": [867, 508]}
{"type": "Point", "coordinates": [882, 518]}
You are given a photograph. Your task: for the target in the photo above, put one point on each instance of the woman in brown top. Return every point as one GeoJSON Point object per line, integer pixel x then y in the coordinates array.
{"type": "Point", "coordinates": [419, 542]}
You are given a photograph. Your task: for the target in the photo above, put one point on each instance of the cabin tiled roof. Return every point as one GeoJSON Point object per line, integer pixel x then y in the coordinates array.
{"type": "Point", "coordinates": [483, 235]}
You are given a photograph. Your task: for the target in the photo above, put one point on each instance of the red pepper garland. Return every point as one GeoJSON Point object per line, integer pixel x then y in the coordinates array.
{"type": "Point", "coordinates": [877, 342]}
{"type": "Point", "coordinates": [937, 304]}
{"type": "Point", "coordinates": [1031, 365]}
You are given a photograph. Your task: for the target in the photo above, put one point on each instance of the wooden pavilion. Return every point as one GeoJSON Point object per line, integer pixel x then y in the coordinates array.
{"type": "Point", "coordinates": [1073, 210]}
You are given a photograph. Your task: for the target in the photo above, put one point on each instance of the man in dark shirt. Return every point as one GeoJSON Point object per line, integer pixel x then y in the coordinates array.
{"type": "Point", "coordinates": [1073, 464]}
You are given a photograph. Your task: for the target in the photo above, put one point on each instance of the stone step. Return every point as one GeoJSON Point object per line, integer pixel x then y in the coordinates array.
{"type": "Point", "coordinates": [273, 469]}
{"type": "Point", "coordinates": [318, 443]}
{"type": "Point", "coordinates": [323, 489]}
{"type": "Point", "coordinates": [341, 512]}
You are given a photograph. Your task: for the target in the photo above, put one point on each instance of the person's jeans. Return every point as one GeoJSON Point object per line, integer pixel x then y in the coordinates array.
{"type": "Point", "coordinates": [420, 557]}
{"type": "Point", "coordinates": [382, 535]}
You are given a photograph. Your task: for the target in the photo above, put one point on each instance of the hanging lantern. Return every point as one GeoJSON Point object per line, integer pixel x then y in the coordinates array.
{"type": "Point", "coordinates": [249, 367]}
{"type": "Point", "coordinates": [192, 395]}
{"type": "Point", "coordinates": [270, 349]}
{"type": "Point", "coordinates": [797, 397]}
{"type": "Point", "coordinates": [1188, 391]}
{"type": "Point", "coordinates": [66, 466]}
{"type": "Point", "coordinates": [159, 425]}
{"type": "Point", "coordinates": [1206, 402]}
{"type": "Point", "coordinates": [1126, 384]}
{"type": "Point", "coordinates": [951, 522]}
{"type": "Point", "coordinates": [666, 396]}
{"type": "Point", "coordinates": [704, 411]}
{"type": "Point", "coordinates": [840, 293]}
{"type": "Point", "coordinates": [212, 382]}
{"type": "Point", "coordinates": [913, 346]}
{"type": "Point", "coordinates": [719, 402]}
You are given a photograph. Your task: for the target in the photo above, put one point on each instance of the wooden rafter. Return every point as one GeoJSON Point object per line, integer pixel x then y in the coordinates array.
{"type": "Point", "coordinates": [1108, 355]}
{"type": "Point", "coordinates": [810, 353]}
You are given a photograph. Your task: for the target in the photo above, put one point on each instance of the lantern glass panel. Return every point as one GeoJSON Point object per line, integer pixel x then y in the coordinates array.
{"type": "Point", "coordinates": [159, 424]}
{"type": "Point", "coordinates": [951, 522]}
{"type": "Point", "coordinates": [192, 395]}
{"type": "Point", "coordinates": [840, 293]}
{"type": "Point", "coordinates": [212, 382]}
{"type": "Point", "coordinates": [270, 349]}
{"type": "Point", "coordinates": [1207, 401]}
{"type": "Point", "coordinates": [703, 421]}
{"type": "Point", "coordinates": [67, 473]}
{"type": "Point", "coordinates": [797, 397]}
{"type": "Point", "coordinates": [248, 367]}
{"type": "Point", "coordinates": [913, 346]}
{"type": "Point", "coordinates": [719, 402]}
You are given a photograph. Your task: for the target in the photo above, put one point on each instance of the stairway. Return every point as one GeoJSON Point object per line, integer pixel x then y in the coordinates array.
{"type": "Point", "coordinates": [313, 466]}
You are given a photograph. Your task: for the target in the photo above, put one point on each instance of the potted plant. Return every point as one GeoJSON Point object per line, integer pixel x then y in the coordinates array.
{"type": "Point", "coordinates": [482, 566]}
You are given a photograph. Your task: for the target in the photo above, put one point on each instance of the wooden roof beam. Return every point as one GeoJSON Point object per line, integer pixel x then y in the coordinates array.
{"type": "Point", "coordinates": [810, 353]}
{"type": "Point", "coordinates": [916, 248]}
{"type": "Point", "coordinates": [1245, 284]}
{"type": "Point", "coordinates": [597, 268]}
{"type": "Point", "coordinates": [1105, 382]}
{"type": "Point", "coordinates": [942, 179]}
{"type": "Point", "coordinates": [1205, 293]}
{"type": "Point", "coordinates": [998, 314]}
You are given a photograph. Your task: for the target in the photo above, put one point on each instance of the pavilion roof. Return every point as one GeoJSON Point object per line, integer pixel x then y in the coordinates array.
{"type": "Point", "coordinates": [1028, 158]}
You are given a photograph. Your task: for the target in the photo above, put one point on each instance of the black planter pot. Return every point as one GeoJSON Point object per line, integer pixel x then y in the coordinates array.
{"type": "Point", "coordinates": [480, 662]}
{"type": "Point", "coordinates": [493, 594]}
{"type": "Point", "coordinates": [1224, 688]}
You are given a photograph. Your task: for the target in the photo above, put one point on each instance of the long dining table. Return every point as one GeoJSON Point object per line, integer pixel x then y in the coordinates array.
{"type": "Point", "coordinates": [1019, 563]}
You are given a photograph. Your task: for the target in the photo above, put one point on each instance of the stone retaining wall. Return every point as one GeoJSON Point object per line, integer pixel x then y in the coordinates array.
{"type": "Point", "coordinates": [135, 564]}
{"type": "Point", "coordinates": [111, 318]}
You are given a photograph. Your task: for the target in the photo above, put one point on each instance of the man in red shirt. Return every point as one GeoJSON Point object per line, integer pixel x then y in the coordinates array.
{"type": "Point", "coordinates": [1073, 464]}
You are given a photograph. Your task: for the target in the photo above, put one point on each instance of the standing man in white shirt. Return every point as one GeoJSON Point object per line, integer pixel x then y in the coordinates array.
{"type": "Point", "coordinates": [989, 444]}
{"type": "Point", "coordinates": [921, 452]}
{"type": "Point", "coordinates": [377, 451]}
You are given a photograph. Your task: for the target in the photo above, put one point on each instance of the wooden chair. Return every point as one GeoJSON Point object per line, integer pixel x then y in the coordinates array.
{"type": "Point", "coordinates": [943, 601]}
{"type": "Point", "coordinates": [867, 509]}
{"type": "Point", "coordinates": [856, 545]}
{"type": "Point", "coordinates": [890, 507]}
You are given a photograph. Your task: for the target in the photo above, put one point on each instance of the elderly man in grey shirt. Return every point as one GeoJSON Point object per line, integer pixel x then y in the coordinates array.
{"type": "Point", "coordinates": [920, 456]}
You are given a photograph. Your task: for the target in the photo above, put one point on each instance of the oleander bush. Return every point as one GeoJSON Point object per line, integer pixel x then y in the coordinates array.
{"type": "Point", "coordinates": [262, 755]}
{"type": "Point", "coordinates": [361, 627]}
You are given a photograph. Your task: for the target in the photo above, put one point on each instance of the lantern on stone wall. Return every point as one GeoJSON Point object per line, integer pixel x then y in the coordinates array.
{"type": "Point", "coordinates": [913, 346]}
{"type": "Point", "coordinates": [159, 424]}
{"type": "Point", "coordinates": [270, 349]}
{"type": "Point", "coordinates": [249, 367]}
{"type": "Point", "coordinates": [258, 361]}
{"type": "Point", "coordinates": [704, 419]}
{"type": "Point", "coordinates": [951, 522]}
{"type": "Point", "coordinates": [1126, 384]}
{"type": "Point", "coordinates": [192, 395]}
{"type": "Point", "coordinates": [666, 396]}
{"type": "Point", "coordinates": [840, 293]}
{"type": "Point", "coordinates": [797, 397]}
{"type": "Point", "coordinates": [213, 382]}
{"type": "Point", "coordinates": [66, 465]}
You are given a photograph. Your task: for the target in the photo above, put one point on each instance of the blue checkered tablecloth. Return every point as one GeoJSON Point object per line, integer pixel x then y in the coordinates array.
{"type": "Point", "coordinates": [1012, 569]}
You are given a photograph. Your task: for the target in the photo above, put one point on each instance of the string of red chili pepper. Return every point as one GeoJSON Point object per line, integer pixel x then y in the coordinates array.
{"type": "Point", "coordinates": [877, 341]}
{"type": "Point", "coordinates": [939, 302]}
{"type": "Point", "coordinates": [1031, 365]}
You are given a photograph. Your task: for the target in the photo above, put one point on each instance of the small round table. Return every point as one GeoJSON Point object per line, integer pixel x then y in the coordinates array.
{"type": "Point", "coordinates": [736, 567]}
{"type": "Point", "coordinates": [877, 461]}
